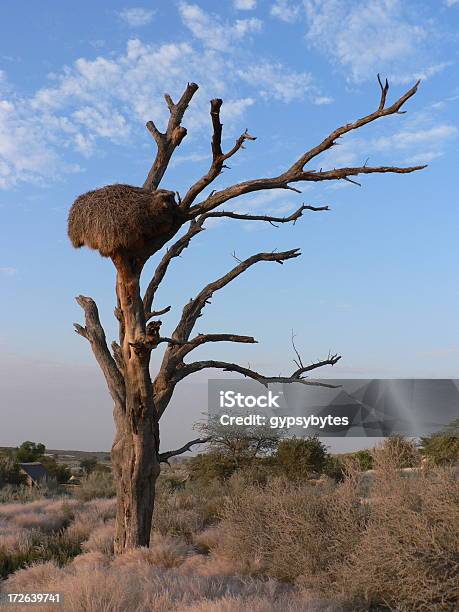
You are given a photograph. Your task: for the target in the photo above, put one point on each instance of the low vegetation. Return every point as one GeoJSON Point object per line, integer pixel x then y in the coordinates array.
{"type": "Point", "coordinates": [260, 538]}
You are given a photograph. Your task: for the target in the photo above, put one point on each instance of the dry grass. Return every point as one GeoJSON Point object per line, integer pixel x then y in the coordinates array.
{"type": "Point", "coordinates": [120, 217]}
{"type": "Point", "coordinates": [101, 539]}
{"type": "Point", "coordinates": [94, 586]}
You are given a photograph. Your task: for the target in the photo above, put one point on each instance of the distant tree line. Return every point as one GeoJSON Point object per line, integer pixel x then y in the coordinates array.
{"type": "Point", "coordinates": [268, 451]}
{"type": "Point", "coordinates": [29, 452]}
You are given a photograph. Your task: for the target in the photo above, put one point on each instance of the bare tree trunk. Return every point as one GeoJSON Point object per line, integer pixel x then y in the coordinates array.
{"type": "Point", "coordinates": [135, 451]}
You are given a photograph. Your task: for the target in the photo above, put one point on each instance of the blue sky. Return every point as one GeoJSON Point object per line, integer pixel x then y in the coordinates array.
{"type": "Point", "coordinates": [378, 278]}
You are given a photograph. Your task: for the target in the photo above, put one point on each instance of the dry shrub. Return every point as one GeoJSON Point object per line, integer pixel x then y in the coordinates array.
{"type": "Point", "coordinates": [96, 485]}
{"type": "Point", "coordinates": [408, 554]}
{"type": "Point", "coordinates": [207, 540]}
{"type": "Point", "coordinates": [184, 512]}
{"type": "Point", "coordinates": [286, 531]}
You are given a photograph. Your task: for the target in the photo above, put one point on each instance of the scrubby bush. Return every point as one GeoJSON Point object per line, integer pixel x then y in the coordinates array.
{"type": "Point", "coordinates": [95, 485]}
{"type": "Point", "coordinates": [30, 451]}
{"type": "Point", "coordinates": [407, 554]}
{"type": "Point", "coordinates": [286, 531]}
{"type": "Point", "coordinates": [301, 458]}
{"type": "Point", "coordinates": [57, 471]}
{"type": "Point", "coordinates": [241, 443]}
{"type": "Point", "coordinates": [88, 465]}
{"type": "Point", "coordinates": [396, 451]}
{"type": "Point", "coordinates": [397, 548]}
{"type": "Point", "coordinates": [10, 472]}
{"type": "Point", "coordinates": [363, 459]}
{"type": "Point", "coordinates": [441, 449]}
{"type": "Point", "coordinates": [212, 465]}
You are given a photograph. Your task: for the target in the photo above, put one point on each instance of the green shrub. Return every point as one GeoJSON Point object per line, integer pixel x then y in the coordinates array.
{"type": "Point", "coordinates": [363, 459]}
{"type": "Point", "coordinates": [210, 466]}
{"type": "Point", "coordinates": [30, 451]}
{"type": "Point", "coordinates": [10, 471]}
{"type": "Point", "coordinates": [300, 459]}
{"type": "Point", "coordinates": [441, 449]}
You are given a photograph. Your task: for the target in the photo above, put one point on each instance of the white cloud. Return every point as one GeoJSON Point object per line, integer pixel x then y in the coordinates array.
{"type": "Point", "coordinates": [419, 142]}
{"type": "Point", "coordinates": [406, 139]}
{"type": "Point", "coordinates": [7, 271]}
{"type": "Point", "coordinates": [422, 74]}
{"type": "Point", "coordinates": [109, 99]}
{"type": "Point", "coordinates": [320, 100]}
{"type": "Point", "coordinates": [275, 80]}
{"type": "Point", "coordinates": [136, 17]}
{"type": "Point", "coordinates": [285, 10]}
{"type": "Point", "coordinates": [371, 36]}
{"type": "Point", "coordinates": [451, 2]}
{"type": "Point", "coordinates": [245, 5]}
{"type": "Point", "coordinates": [212, 31]}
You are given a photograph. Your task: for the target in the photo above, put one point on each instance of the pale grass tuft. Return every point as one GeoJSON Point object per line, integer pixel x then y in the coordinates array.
{"type": "Point", "coordinates": [101, 539]}
{"type": "Point", "coordinates": [164, 551]}
{"type": "Point", "coordinates": [36, 577]}
{"type": "Point", "coordinates": [207, 540]}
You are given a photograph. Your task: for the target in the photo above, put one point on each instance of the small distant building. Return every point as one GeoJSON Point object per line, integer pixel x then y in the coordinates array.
{"type": "Point", "coordinates": [35, 473]}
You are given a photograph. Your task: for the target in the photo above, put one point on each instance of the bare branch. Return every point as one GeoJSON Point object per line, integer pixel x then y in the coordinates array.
{"type": "Point", "coordinates": [196, 227]}
{"type": "Point", "coordinates": [174, 251]}
{"type": "Point", "coordinates": [201, 339]}
{"type": "Point", "coordinates": [270, 219]}
{"type": "Point", "coordinates": [164, 457]}
{"type": "Point", "coordinates": [94, 333]}
{"type": "Point", "coordinates": [296, 172]}
{"type": "Point", "coordinates": [297, 376]}
{"type": "Point", "coordinates": [156, 313]}
{"type": "Point", "coordinates": [192, 311]}
{"type": "Point", "coordinates": [218, 157]}
{"type": "Point", "coordinates": [168, 141]}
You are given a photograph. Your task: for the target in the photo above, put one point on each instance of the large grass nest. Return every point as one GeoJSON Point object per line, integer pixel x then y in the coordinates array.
{"type": "Point", "coordinates": [120, 217]}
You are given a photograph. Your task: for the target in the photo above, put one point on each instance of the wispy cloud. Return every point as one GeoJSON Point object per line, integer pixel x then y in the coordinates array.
{"type": "Point", "coordinates": [277, 81]}
{"type": "Point", "coordinates": [245, 5]}
{"type": "Point", "coordinates": [451, 2]}
{"type": "Point", "coordinates": [136, 17]}
{"type": "Point", "coordinates": [285, 10]}
{"type": "Point", "coordinates": [109, 98]}
{"type": "Point", "coordinates": [8, 271]}
{"type": "Point", "coordinates": [421, 140]}
{"type": "Point", "coordinates": [212, 31]}
{"type": "Point", "coordinates": [371, 36]}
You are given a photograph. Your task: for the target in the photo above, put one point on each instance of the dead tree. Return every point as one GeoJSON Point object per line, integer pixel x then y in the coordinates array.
{"type": "Point", "coordinates": [130, 224]}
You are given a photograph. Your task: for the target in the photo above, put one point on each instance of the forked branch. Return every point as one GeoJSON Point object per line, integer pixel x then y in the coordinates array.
{"type": "Point", "coordinates": [192, 310]}
{"type": "Point", "coordinates": [174, 250]}
{"type": "Point", "coordinates": [297, 173]}
{"type": "Point", "coordinates": [168, 141]}
{"type": "Point", "coordinates": [218, 157]}
{"type": "Point", "coordinates": [94, 333]}
{"type": "Point", "coordinates": [196, 227]}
